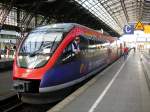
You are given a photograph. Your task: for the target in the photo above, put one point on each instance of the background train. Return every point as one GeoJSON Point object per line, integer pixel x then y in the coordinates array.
{"type": "Point", "coordinates": [53, 58]}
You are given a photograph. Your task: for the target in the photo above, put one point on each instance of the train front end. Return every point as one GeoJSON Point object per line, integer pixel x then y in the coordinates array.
{"type": "Point", "coordinates": [33, 60]}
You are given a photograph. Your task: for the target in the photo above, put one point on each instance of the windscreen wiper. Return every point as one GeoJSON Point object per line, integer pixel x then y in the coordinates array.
{"type": "Point", "coordinates": [53, 43]}
{"type": "Point", "coordinates": [38, 51]}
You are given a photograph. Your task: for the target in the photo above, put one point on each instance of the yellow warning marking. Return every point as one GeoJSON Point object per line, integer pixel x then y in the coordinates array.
{"type": "Point", "coordinates": [139, 26]}
{"type": "Point", "coordinates": [147, 29]}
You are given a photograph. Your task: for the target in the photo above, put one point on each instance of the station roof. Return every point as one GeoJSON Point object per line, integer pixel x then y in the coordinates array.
{"type": "Point", "coordinates": [111, 15]}
{"type": "Point", "coordinates": [68, 11]}
{"type": "Point", "coordinates": [117, 13]}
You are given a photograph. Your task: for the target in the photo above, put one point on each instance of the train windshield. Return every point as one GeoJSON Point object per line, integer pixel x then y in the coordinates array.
{"type": "Point", "coordinates": [38, 48]}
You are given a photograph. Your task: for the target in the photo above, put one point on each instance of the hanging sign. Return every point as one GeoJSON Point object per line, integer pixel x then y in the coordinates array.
{"type": "Point", "coordinates": [128, 29]}
{"type": "Point", "coordinates": [139, 26]}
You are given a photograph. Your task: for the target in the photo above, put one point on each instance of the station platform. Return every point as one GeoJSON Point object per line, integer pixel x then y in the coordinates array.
{"type": "Point", "coordinates": [6, 85]}
{"type": "Point", "coordinates": [6, 63]}
{"type": "Point", "coordinates": [122, 87]}
{"type": "Point", "coordinates": [145, 59]}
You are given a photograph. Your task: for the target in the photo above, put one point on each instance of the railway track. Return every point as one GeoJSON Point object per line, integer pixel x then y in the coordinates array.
{"type": "Point", "coordinates": [13, 108]}
{"type": "Point", "coordinates": [23, 107]}
{"type": "Point", "coordinates": [8, 103]}
{"type": "Point", "coordinates": [13, 104]}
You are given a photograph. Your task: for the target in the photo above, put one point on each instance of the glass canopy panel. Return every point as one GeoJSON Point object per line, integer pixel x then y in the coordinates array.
{"type": "Point", "coordinates": [95, 7]}
{"type": "Point", "coordinates": [117, 13]}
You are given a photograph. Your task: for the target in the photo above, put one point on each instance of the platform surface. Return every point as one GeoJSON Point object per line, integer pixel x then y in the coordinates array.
{"type": "Point", "coordinates": [6, 84]}
{"type": "Point", "coordinates": [122, 87]}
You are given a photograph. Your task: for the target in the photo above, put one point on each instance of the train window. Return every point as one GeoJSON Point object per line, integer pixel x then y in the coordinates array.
{"type": "Point", "coordinates": [68, 49]}
{"type": "Point", "coordinates": [67, 54]}
{"type": "Point", "coordinates": [91, 41]}
{"type": "Point", "coordinates": [38, 41]}
{"type": "Point", "coordinates": [76, 45]}
{"type": "Point", "coordinates": [74, 49]}
{"type": "Point", "coordinates": [37, 48]}
{"type": "Point", "coordinates": [83, 43]}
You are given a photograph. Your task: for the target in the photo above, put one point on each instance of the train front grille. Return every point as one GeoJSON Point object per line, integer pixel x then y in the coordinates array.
{"type": "Point", "coordinates": [28, 86]}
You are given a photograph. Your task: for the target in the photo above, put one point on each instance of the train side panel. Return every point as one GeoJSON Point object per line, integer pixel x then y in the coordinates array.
{"type": "Point", "coordinates": [67, 73]}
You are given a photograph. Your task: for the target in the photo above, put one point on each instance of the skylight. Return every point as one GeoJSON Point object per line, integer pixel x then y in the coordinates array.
{"type": "Point", "coordinates": [95, 7]}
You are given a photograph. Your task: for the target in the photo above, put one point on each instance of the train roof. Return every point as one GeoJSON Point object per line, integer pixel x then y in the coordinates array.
{"type": "Point", "coordinates": [63, 27]}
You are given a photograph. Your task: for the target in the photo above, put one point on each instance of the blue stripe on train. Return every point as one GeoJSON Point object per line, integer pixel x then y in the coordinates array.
{"type": "Point", "coordinates": [68, 72]}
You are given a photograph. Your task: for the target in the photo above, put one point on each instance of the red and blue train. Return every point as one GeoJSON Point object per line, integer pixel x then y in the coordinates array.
{"type": "Point", "coordinates": [46, 66]}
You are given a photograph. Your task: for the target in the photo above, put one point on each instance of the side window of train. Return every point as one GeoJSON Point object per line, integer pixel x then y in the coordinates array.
{"type": "Point", "coordinates": [67, 54]}
{"type": "Point", "coordinates": [92, 43]}
{"type": "Point", "coordinates": [73, 50]}
{"type": "Point", "coordinates": [83, 43]}
{"type": "Point", "coordinates": [79, 45]}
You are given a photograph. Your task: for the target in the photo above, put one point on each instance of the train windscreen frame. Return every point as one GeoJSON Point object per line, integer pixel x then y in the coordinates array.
{"type": "Point", "coordinates": [38, 47]}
